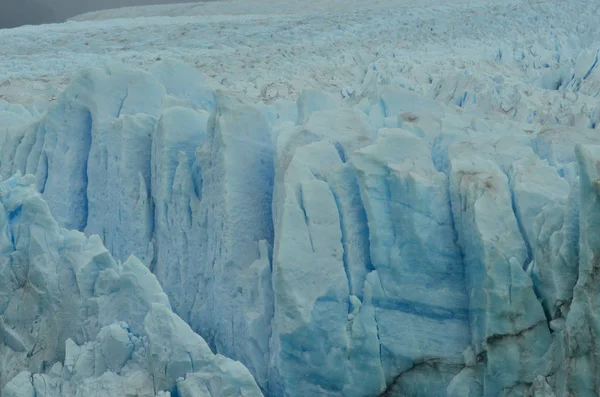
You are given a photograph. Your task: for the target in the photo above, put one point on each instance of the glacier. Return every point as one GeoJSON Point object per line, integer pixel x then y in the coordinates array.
{"type": "Point", "coordinates": [75, 321]}
{"type": "Point", "coordinates": [364, 228]}
{"type": "Point", "coordinates": [414, 248]}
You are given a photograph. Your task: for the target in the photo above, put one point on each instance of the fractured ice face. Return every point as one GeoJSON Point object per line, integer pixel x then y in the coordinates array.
{"type": "Point", "coordinates": [398, 246]}
{"type": "Point", "coordinates": [85, 324]}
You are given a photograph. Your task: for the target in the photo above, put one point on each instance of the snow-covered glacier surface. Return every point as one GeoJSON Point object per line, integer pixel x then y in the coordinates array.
{"type": "Point", "coordinates": [317, 203]}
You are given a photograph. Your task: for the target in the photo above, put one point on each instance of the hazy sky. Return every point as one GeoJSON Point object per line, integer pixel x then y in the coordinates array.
{"type": "Point", "coordinates": [21, 12]}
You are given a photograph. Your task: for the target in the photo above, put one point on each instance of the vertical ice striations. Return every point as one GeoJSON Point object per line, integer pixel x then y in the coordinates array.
{"type": "Point", "coordinates": [179, 236]}
{"type": "Point", "coordinates": [582, 326]}
{"type": "Point", "coordinates": [78, 133]}
{"type": "Point", "coordinates": [236, 166]}
{"type": "Point", "coordinates": [85, 324]}
{"type": "Point", "coordinates": [310, 285]}
{"type": "Point", "coordinates": [413, 253]}
{"type": "Point", "coordinates": [98, 131]}
{"type": "Point", "coordinates": [313, 264]}
{"type": "Point", "coordinates": [120, 155]}
{"type": "Point", "coordinates": [399, 247]}
{"type": "Point", "coordinates": [540, 199]}
{"type": "Point", "coordinates": [510, 335]}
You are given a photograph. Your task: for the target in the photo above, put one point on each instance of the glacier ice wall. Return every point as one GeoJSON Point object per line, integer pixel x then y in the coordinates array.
{"type": "Point", "coordinates": [396, 246]}
{"type": "Point", "coordinates": [75, 321]}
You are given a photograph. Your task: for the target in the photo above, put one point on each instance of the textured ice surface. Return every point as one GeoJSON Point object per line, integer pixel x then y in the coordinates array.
{"type": "Point", "coordinates": [422, 224]}
{"type": "Point", "coordinates": [76, 322]}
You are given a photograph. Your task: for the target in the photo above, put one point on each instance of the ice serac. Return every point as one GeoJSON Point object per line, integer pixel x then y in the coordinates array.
{"type": "Point", "coordinates": [355, 229]}
{"type": "Point", "coordinates": [74, 152]}
{"type": "Point", "coordinates": [534, 185]}
{"type": "Point", "coordinates": [83, 142]}
{"type": "Point", "coordinates": [314, 100]}
{"type": "Point", "coordinates": [310, 284]}
{"type": "Point", "coordinates": [315, 348]}
{"type": "Point", "coordinates": [557, 144]}
{"type": "Point", "coordinates": [76, 322]}
{"type": "Point", "coordinates": [131, 156]}
{"type": "Point", "coordinates": [510, 335]}
{"type": "Point", "coordinates": [235, 165]}
{"type": "Point", "coordinates": [582, 323]}
{"type": "Point", "coordinates": [179, 236]}
{"type": "Point", "coordinates": [100, 130]}
{"type": "Point", "coordinates": [391, 102]}
{"type": "Point", "coordinates": [186, 83]}
{"type": "Point", "coordinates": [418, 290]}
{"type": "Point", "coordinates": [120, 157]}
{"type": "Point", "coordinates": [556, 250]}
{"type": "Point", "coordinates": [540, 200]}
{"type": "Point", "coordinates": [174, 349]}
